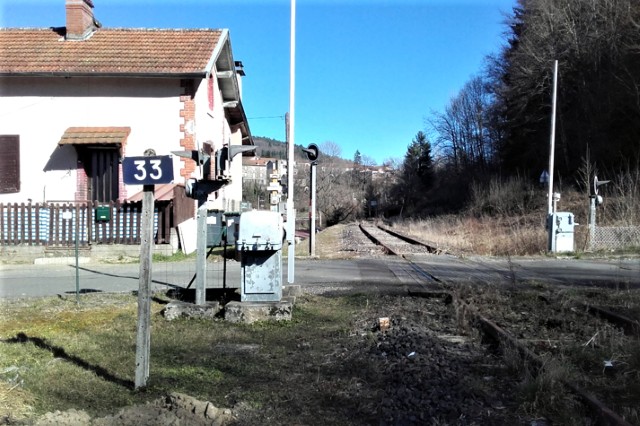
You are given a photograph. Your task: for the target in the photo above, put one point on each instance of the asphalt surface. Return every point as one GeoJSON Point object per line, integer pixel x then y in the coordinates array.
{"type": "Point", "coordinates": [49, 280]}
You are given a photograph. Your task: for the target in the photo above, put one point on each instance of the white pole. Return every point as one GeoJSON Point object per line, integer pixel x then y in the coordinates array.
{"type": "Point", "coordinates": [291, 213]}
{"type": "Point", "coordinates": [553, 136]}
{"type": "Point", "coordinates": [551, 223]}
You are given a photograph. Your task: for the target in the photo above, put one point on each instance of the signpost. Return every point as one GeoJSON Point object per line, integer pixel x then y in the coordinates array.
{"type": "Point", "coordinates": [148, 171]}
{"type": "Point", "coordinates": [312, 152]}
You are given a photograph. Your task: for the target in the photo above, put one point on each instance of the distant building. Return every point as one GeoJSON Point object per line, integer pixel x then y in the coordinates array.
{"type": "Point", "coordinates": [260, 169]}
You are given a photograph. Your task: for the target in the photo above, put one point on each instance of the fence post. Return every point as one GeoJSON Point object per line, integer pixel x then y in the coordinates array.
{"type": "Point", "coordinates": [2, 235]}
{"type": "Point", "coordinates": [116, 223]}
{"type": "Point", "coordinates": [89, 222]}
{"type": "Point", "coordinates": [16, 228]}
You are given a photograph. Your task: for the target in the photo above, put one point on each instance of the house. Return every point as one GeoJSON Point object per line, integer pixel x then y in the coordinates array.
{"type": "Point", "coordinates": [76, 100]}
{"type": "Point", "coordinates": [259, 169]}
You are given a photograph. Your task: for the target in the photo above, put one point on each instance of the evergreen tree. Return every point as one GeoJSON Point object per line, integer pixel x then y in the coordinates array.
{"type": "Point", "coordinates": [418, 162]}
{"type": "Point", "coordinates": [417, 172]}
{"type": "Point", "coordinates": [357, 158]}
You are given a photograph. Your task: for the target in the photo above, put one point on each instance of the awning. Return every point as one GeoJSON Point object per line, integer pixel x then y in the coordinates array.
{"type": "Point", "coordinates": [95, 136]}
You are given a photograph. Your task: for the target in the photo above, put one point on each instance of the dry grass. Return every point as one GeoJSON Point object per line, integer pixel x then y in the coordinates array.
{"type": "Point", "coordinates": [509, 220]}
{"type": "Point", "coordinates": [327, 244]}
{"type": "Point", "coordinates": [481, 235]}
{"type": "Point", "coordinates": [16, 402]}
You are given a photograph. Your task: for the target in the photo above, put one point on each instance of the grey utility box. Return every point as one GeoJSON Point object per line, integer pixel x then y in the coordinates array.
{"type": "Point", "coordinates": [562, 231]}
{"type": "Point", "coordinates": [215, 228]}
{"type": "Point", "coordinates": [259, 244]}
{"type": "Point", "coordinates": [222, 228]}
{"type": "Point", "coordinates": [232, 222]}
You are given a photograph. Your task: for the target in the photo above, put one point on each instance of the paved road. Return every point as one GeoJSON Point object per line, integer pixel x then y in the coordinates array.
{"type": "Point", "coordinates": [609, 273]}
{"type": "Point", "coordinates": [48, 280]}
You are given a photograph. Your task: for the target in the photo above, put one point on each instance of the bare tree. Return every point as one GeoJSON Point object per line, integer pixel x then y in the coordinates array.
{"type": "Point", "coordinates": [337, 198]}
{"type": "Point", "coordinates": [596, 43]}
{"type": "Point", "coordinates": [463, 133]}
{"type": "Point", "coordinates": [330, 149]}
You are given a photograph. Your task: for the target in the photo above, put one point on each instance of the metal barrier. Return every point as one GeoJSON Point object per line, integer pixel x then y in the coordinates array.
{"type": "Point", "coordinates": [614, 237]}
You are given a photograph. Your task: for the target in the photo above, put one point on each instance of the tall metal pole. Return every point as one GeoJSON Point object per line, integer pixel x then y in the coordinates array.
{"type": "Point", "coordinates": [312, 212]}
{"type": "Point", "coordinates": [291, 213]}
{"type": "Point", "coordinates": [553, 136]}
{"type": "Point", "coordinates": [551, 206]}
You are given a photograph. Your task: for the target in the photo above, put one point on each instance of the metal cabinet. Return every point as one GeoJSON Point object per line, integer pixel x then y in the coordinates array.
{"type": "Point", "coordinates": [562, 231]}
{"type": "Point", "coordinates": [259, 244]}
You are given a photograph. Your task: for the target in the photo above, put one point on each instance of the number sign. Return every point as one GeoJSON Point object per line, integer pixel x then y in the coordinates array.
{"type": "Point", "coordinates": [147, 170]}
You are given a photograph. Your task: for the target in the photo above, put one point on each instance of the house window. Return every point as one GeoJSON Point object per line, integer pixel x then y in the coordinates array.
{"type": "Point", "coordinates": [101, 165]}
{"type": "Point", "coordinates": [9, 164]}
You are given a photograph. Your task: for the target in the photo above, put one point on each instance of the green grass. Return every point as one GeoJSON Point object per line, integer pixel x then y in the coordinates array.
{"type": "Point", "coordinates": [82, 356]}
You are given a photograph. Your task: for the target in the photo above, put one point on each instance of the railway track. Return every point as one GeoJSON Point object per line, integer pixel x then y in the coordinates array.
{"type": "Point", "coordinates": [395, 243]}
{"type": "Point", "coordinates": [596, 352]}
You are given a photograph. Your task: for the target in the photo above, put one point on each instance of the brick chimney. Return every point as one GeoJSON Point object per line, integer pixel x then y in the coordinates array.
{"type": "Point", "coordinates": [80, 21]}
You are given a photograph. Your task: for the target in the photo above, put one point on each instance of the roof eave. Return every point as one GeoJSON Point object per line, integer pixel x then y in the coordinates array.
{"type": "Point", "coordinates": [243, 124]}
{"type": "Point", "coordinates": [191, 74]}
{"type": "Point", "coordinates": [222, 39]}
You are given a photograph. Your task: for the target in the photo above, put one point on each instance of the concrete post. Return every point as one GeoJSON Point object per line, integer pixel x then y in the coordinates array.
{"type": "Point", "coordinates": [592, 220]}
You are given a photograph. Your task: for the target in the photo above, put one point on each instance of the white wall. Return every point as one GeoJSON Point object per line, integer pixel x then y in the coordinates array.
{"type": "Point", "coordinates": [41, 109]}
{"type": "Point", "coordinates": [212, 126]}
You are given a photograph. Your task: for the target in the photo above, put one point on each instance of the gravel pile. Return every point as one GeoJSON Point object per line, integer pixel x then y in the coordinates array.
{"type": "Point", "coordinates": [432, 375]}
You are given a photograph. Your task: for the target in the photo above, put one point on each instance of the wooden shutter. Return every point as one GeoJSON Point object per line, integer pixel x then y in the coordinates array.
{"type": "Point", "coordinates": [104, 174]}
{"type": "Point", "coordinates": [9, 164]}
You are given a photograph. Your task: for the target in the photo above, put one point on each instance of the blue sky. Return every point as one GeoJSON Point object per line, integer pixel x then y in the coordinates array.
{"type": "Point", "coordinates": [368, 72]}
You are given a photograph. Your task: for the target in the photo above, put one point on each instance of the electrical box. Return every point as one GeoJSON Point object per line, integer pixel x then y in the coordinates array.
{"type": "Point", "coordinates": [562, 231]}
{"type": "Point", "coordinates": [259, 244]}
{"type": "Point", "coordinates": [215, 228]}
{"type": "Point", "coordinates": [103, 214]}
{"type": "Point", "coordinates": [260, 231]}
{"type": "Point", "coordinates": [232, 225]}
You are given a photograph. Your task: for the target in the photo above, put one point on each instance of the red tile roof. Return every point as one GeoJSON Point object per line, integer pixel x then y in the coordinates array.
{"type": "Point", "coordinates": [94, 135]}
{"type": "Point", "coordinates": [107, 52]}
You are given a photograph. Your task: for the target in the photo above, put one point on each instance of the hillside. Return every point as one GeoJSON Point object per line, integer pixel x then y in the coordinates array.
{"type": "Point", "coordinates": [272, 148]}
